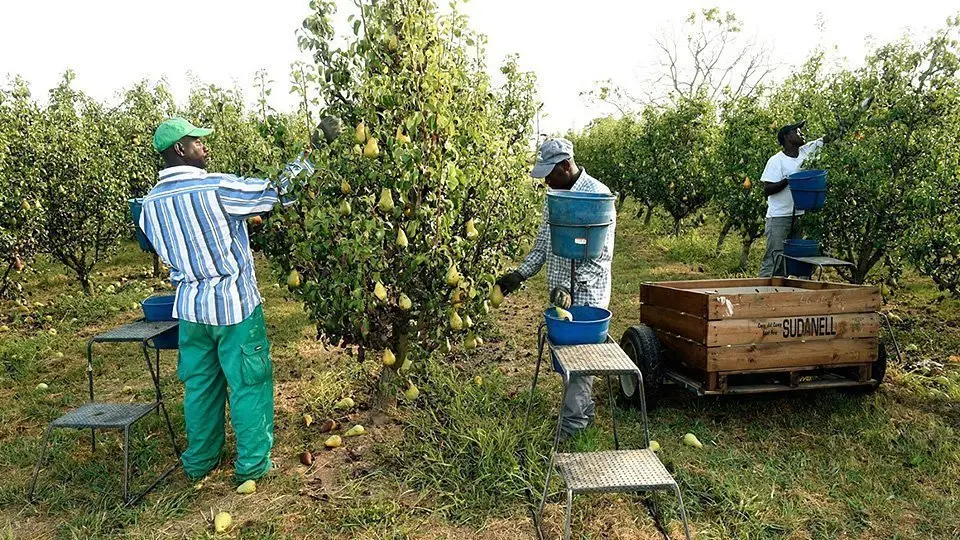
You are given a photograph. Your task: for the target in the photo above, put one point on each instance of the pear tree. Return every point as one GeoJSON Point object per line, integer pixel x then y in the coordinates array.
{"type": "Point", "coordinates": [421, 189]}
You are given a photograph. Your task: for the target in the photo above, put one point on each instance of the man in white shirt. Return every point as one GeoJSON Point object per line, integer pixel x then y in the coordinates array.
{"type": "Point", "coordinates": [780, 212]}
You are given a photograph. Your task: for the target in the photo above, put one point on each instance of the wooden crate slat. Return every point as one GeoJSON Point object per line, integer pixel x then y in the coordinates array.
{"type": "Point", "coordinates": [793, 304]}
{"type": "Point", "coordinates": [786, 355]}
{"type": "Point", "coordinates": [689, 353]}
{"type": "Point", "coordinates": [780, 329]}
{"type": "Point", "coordinates": [676, 299]}
{"type": "Point", "coordinates": [686, 325]}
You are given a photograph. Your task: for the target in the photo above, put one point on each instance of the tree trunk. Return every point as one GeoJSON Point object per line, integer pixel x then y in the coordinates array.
{"type": "Point", "coordinates": [621, 198]}
{"type": "Point", "coordinates": [156, 265]}
{"type": "Point", "coordinates": [386, 397]}
{"type": "Point", "coordinates": [745, 252]}
{"type": "Point", "coordinates": [676, 226]}
{"type": "Point", "coordinates": [723, 235]}
{"type": "Point", "coordinates": [646, 220]}
{"type": "Point", "coordinates": [85, 284]}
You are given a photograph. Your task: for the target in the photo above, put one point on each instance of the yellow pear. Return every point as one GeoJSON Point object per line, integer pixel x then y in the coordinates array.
{"type": "Point", "coordinates": [371, 149]}
{"type": "Point", "coordinates": [747, 183]}
{"type": "Point", "coordinates": [412, 392]}
{"type": "Point", "coordinates": [453, 276]}
{"type": "Point", "coordinates": [25, 206]}
{"type": "Point", "coordinates": [362, 133]}
{"type": "Point", "coordinates": [478, 380]}
{"type": "Point", "coordinates": [401, 238]}
{"type": "Point", "coordinates": [654, 445]}
{"type": "Point", "coordinates": [496, 297]}
{"type": "Point", "coordinates": [354, 431]}
{"type": "Point", "coordinates": [470, 343]}
{"type": "Point", "coordinates": [407, 364]}
{"type": "Point", "coordinates": [345, 187]}
{"type": "Point", "coordinates": [563, 314]}
{"type": "Point", "coordinates": [392, 42]}
{"type": "Point", "coordinates": [690, 439]}
{"type": "Point", "coordinates": [468, 322]}
{"type": "Point", "coordinates": [380, 292]}
{"type": "Point", "coordinates": [445, 347]}
{"type": "Point", "coordinates": [455, 321]}
{"type": "Point", "coordinates": [42, 387]}
{"type": "Point", "coordinates": [307, 419]}
{"type": "Point", "coordinates": [471, 230]}
{"type": "Point", "coordinates": [404, 302]}
{"type": "Point", "coordinates": [345, 208]}
{"type": "Point", "coordinates": [386, 200]}
{"type": "Point", "coordinates": [389, 358]}
{"type": "Point", "coordinates": [479, 341]}
{"type": "Point", "coordinates": [127, 389]}
{"type": "Point", "coordinates": [357, 149]}
{"type": "Point", "coordinates": [334, 441]}
{"type": "Point", "coordinates": [401, 137]}
{"type": "Point", "coordinates": [293, 279]}
{"type": "Point", "coordinates": [247, 487]}
{"type": "Point", "coordinates": [345, 403]}
{"type": "Point", "coordinates": [222, 522]}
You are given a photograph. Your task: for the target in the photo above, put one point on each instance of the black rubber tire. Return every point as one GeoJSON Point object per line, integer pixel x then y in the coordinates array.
{"type": "Point", "coordinates": [642, 346]}
{"type": "Point", "coordinates": [877, 371]}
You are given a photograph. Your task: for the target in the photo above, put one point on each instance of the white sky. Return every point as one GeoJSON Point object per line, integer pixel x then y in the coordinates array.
{"type": "Point", "coordinates": [568, 43]}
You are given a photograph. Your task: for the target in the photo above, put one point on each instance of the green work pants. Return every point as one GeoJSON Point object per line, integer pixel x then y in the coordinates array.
{"type": "Point", "coordinates": [213, 358]}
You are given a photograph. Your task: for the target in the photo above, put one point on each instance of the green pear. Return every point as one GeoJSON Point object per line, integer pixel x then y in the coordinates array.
{"type": "Point", "coordinates": [386, 200]}
{"type": "Point", "coordinates": [389, 358]}
{"type": "Point", "coordinates": [470, 343]}
{"type": "Point", "coordinates": [222, 522]}
{"type": "Point", "coordinates": [471, 230]}
{"type": "Point", "coordinates": [345, 208]}
{"type": "Point", "coordinates": [293, 279]}
{"type": "Point", "coordinates": [401, 239]}
{"type": "Point", "coordinates": [247, 487]}
{"type": "Point", "coordinates": [334, 441]}
{"type": "Point", "coordinates": [453, 276]}
{"type": "Point", "coordinates": [654, 445]}
{"type": "Point", "coordinates": [345, 403]}
{"type": "Point", "coordinates": [563, 314]}
{"type": "Point", "coordinates": [345, 187]}
{"type": "Point", "coordinates": [371, 149]}
{"type": "Point", "coordinates": [496, 297]}
{"type": "Point", "coordinates": [412, 392]}
{"type": "Point", "coordinates": [405, 303]}
{"type": "Point", "coordinates": [455, 321]}
{"type": "Point", "coordinates": [354, 431]}
{"type": "Point", "coordinates": [380, 292]}
{"type": "Point", "coordinates": [690, 439]}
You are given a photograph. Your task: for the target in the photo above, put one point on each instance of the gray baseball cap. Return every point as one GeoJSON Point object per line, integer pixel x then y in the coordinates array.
{"type": "Point", "coordinates": [551, 152]}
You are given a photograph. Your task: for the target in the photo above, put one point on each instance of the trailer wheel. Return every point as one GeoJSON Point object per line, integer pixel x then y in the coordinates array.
{"type": "Point", "coordinates": [642, 346]}
{"type": "Point", "coordinates": [877, 372]}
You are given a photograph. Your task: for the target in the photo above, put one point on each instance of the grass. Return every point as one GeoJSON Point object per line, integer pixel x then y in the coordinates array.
{"type": "Point", "coordinates": [458, 463]}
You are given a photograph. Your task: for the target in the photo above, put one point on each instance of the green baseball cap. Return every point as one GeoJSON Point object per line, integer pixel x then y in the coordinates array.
{"type": "Point", "coordinates": [175, 129]}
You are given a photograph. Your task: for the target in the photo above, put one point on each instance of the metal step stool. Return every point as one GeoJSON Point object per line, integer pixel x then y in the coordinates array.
{"type": "Point", "coordinates": [607, 471]}
{"type": "Point", "coordinates": [95, 415]}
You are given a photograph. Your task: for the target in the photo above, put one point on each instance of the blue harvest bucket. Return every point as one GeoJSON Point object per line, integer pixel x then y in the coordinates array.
{"type": "Point", "coordinates": [579, 222]}
{"type": "Point", "coordinates": [157, 309]}
{"type": "Point", "coordinates": [136, 206]}
{"type": "Point", "coordinates": [800, 248]}
{"type": "Point", "coordinates": [589, 325]}
{"type": "Point", "coordinates": [809, 189]}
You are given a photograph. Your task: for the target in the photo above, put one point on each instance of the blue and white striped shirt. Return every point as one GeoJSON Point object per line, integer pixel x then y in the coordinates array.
{"type": "Point", "coordinates": [196, 222]}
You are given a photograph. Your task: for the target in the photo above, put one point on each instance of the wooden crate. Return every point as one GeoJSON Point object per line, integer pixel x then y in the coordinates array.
{"type": "Point", "coordinates": [717, 328]}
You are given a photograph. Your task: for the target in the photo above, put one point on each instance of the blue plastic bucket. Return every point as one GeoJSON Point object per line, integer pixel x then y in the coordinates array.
{"type": "Point", "coordinates": [800, 248]}
{"type": "Point", "coordinates": [136, 206]}
{"type": "Point", "coordinates": [168, 340]}
{"type": "Point", "coordinates": [579, 222]}
{"type": "Point", "coordinates": [809, 189]}
{"type": "Point", "coordinates": [158, 308]}
{"type": "Point", "coordinates": [589, 325]}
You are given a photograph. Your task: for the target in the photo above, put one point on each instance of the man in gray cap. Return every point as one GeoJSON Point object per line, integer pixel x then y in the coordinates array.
{"type": "Point", "coordinates": [556, 166]}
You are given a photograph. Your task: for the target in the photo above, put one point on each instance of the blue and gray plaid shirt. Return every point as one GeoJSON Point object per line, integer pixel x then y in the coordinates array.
{"type": "Point", "coordinates": [593, 276]}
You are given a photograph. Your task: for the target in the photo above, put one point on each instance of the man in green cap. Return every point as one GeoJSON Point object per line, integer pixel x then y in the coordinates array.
{"type": "Point", "coordinates": [196, 222]}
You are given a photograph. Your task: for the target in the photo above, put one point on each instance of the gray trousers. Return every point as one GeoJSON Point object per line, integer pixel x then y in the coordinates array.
{"type": "Point", "coordinates": [578, 405]}
{"type": "Point", "coordinates": [777, 230]}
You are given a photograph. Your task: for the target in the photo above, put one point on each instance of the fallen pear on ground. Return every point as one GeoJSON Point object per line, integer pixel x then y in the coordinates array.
{"type": "Point", "coordinates": [690, 439]}
{"type": "Point", "coordinates": [247, 487]}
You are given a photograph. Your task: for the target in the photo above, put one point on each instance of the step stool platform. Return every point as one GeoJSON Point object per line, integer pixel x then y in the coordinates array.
{"type": "Point", "coordinates": [598, 359]}
{"type": "Point", "coordinates": [613, 471]}
{"type": "Point", "coordinates": [104, 415]}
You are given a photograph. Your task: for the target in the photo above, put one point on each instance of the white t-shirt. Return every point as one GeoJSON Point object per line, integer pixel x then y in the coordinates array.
{"type": "Point", "coordinates": [779, 167]}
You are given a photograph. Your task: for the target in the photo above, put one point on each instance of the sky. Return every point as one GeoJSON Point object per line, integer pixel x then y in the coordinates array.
{"type": "Point", "coordinates": [569, 44]}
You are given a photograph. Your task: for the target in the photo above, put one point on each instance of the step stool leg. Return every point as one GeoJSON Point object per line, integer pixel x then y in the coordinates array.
{"type": "Point", "coordinates": [36, 468]}
{"type": "Point", "coordinates": [613, 412]}
{"type": "Point", "coordinates": [173, 438]}
{"type": "Point", "coordinates": [126, 464]}
{"type": "Point", "coordinates": [566, 523]}
{"type": "Point", "coordinates": [541, 340]}
{"type": "Point", "coordinates": [556, 443]}
{"type": "Point", "coordinates": [683, 511]}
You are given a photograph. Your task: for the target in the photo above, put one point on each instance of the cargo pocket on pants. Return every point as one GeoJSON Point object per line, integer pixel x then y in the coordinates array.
{"type": "Point", "coordinates": [255, 368]}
